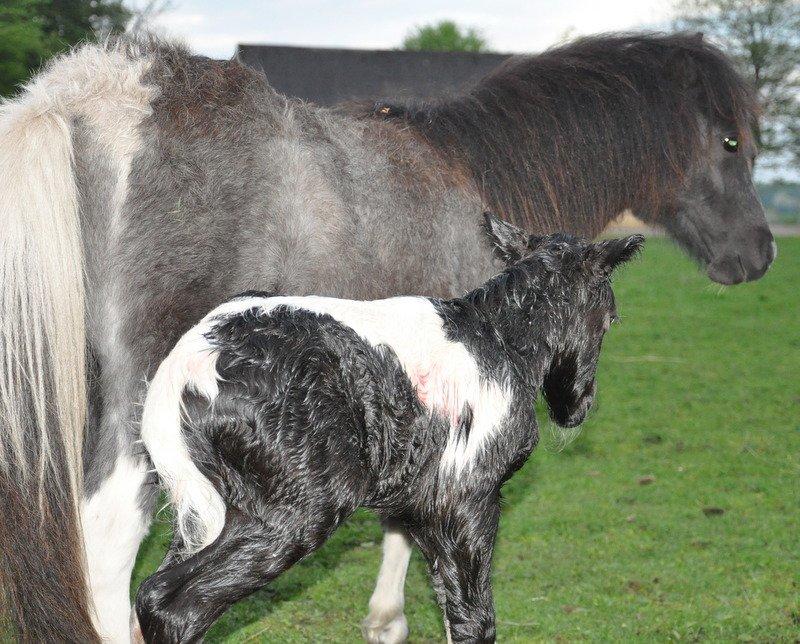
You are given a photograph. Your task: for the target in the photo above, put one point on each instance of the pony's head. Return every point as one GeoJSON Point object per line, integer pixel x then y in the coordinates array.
{"type": "Point", "coordinates": [716, 214]}
{"type": "Point", "coordinates": [570, 304]}
{"type": "Point", "coordinates": [569, 139]}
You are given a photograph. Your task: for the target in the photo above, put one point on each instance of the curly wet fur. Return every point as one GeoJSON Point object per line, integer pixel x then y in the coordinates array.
{"type": "Point", "coordinates": [196, 180]}
{"type": "Point", "coordinates": [296, 419]}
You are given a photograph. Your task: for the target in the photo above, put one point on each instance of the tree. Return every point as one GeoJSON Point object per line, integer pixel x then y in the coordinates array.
{"type": "Point", "coordinates": [31, 31]}
{"type": "Point", "coordinates": [444, 36]}
{"type": "Point", "coordinates": [145, 13]}
{"type": "Point", "coordinates": [22, 43]}
{"type": "Point", "coordinates": [763, 37]}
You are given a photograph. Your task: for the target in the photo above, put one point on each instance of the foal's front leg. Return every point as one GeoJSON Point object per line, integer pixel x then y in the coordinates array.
{"type": "Point", "coordinates": [458, 547]}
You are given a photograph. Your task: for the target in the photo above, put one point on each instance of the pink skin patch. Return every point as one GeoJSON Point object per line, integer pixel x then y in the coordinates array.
{"type": "Point", "coordinates": [437, 392]}
{"type": "Point", "coordinates": [420, 382]}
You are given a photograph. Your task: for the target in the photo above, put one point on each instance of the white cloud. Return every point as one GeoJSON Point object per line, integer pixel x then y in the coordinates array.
{"type": "Point", "coordinates": [214, 28]}
{"type": "Point", "coordinates": [181, 21]}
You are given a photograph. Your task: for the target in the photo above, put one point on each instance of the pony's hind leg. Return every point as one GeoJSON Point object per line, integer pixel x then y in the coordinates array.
{"type": "Point", "coordinates": [181, 601]}
{"type": "Point", "coordinates": [116, 510]}
{"type": "Point", "coordinates": [386, 623]}
{"type": "Point", "coordinates": [114, 524]}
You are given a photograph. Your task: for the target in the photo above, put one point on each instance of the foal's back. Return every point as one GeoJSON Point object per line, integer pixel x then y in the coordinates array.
{"type": "Point", "coordinates": [270, 423]}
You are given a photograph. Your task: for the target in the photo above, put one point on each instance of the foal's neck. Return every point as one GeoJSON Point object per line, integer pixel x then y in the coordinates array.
{"type": "Point", "coordinates": [510, 320]}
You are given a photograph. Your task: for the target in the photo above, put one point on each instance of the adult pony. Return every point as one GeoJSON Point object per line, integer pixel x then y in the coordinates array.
{"type": "Point", "coordinates": [140, 186]}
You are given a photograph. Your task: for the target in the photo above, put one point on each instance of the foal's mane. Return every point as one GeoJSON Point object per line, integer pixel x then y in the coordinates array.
{"type": "Point", "coordinates": [567, 139]}
{"type": "Point", "coordinates": [530, 276]}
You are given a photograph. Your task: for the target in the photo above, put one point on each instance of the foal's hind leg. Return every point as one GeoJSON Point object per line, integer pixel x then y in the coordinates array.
{"type": "Point", "coordinates": [386, 623]}
{"type": "Point", "coordinates": [180, 602]}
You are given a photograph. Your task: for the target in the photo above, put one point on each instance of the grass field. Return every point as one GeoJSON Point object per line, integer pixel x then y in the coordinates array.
{"type": "Point", "coordinates": [674, 515]}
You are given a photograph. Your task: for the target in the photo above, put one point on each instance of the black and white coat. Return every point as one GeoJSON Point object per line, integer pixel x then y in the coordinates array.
{"type": "Point", "coordinates": [275, 418]}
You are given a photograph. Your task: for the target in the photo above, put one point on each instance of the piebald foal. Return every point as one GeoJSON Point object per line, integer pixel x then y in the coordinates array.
{"type": "Point", "coordinates": [274, 418]}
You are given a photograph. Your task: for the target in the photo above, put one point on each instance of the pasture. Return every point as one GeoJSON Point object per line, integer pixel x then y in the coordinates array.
{"type": "Point", "coordinates": [674, 514]}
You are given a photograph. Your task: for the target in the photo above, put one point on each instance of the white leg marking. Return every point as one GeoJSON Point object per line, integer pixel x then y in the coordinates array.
{"type": "Point", "coordinates": [447, 630]}
{"type": "Point", "coordinates": [386, 623]}
{"type": "Point", "coordinates": [136, 629]}
{"type": "Point", "coordinates": [113, 528]}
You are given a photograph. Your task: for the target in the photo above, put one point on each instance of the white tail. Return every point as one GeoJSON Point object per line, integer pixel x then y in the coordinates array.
{"type": "Point", "coordinates": [199, 509]}
{"type": "Point", "coordinates": [42, 314]}
{"type": "Point", "coordinates": [41, 275]}
{"type": "Point", "coordinates": [42, 367]}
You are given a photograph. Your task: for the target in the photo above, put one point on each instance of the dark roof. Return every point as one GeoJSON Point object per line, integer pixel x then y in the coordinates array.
{"type": "Point", "coordinates": [330, 76]}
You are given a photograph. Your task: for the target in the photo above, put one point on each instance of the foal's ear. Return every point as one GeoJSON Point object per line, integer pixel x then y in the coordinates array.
{"type": "Point", "coordinates": [609, 254]}
{"type": "Point", "coordinates": [509, 242]}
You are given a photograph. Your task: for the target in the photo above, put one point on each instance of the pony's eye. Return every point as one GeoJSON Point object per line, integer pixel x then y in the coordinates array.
{"type": "Point", "coordinates": [730, 143]}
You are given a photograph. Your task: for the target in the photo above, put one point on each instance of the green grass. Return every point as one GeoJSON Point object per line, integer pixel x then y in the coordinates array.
{"type": "Point", "coordinates": [699, 388]}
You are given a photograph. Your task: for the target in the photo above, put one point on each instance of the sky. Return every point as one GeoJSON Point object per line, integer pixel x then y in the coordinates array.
{"type": "Point", "coordinates": [215, 28]}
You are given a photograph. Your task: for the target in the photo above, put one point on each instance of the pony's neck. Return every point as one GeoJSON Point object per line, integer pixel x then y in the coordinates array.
{"type": "Point", "coordinates": [532, 177]}
{"type": "Point", "coordinates": [551, 148]}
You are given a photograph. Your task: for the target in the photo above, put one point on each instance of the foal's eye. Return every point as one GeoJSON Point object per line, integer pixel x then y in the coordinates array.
{"type": "Point", "coordinates": [730, 143]}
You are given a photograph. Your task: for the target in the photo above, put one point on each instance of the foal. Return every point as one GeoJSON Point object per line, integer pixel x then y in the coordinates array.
{"type": "Point", "coordinates": [274, 418]}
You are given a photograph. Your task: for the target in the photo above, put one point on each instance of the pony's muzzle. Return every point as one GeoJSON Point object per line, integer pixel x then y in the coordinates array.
{"type": "Point", "coordinates": [748, 262]}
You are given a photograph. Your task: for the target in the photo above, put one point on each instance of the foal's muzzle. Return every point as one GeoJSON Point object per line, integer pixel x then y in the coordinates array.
{"type": "Point", "coordinates": [573, 415]}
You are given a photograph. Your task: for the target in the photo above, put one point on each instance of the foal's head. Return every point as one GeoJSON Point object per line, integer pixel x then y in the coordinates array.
{"type": "Point", "coordinates": [571, 306]}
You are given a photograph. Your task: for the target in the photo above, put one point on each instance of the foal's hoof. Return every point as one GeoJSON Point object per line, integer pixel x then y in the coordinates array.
{"type": "Point", "coordinates": [385, 629]}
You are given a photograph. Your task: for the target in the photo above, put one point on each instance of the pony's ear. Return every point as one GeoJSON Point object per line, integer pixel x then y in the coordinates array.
{"type": "Point", "coordinates": [509, 242]}
{"type": "Point", "coordinates": [607, 255]}
{"type": "Point", "coordinates": [682, 65]}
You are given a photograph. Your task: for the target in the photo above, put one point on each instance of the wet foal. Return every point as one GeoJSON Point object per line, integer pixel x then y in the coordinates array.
{"type": "Point", "coordinates": [274, 418]}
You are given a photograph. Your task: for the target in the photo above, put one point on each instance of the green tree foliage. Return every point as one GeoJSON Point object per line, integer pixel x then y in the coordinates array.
{"type": "Point", "coordinates": [22, 44]}
{"type": "Point", "coordinates": [763, 36]}
{"type": "Point", "coordinates": [31, 31]}
{"type": "Point", "coordinates": [444, 36]}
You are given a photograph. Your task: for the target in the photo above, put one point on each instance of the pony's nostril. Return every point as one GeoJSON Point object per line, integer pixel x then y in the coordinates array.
{"type": "Point", "coordinates": [728, 271]}
{"type": "Point", "coordinates": [768, 249]}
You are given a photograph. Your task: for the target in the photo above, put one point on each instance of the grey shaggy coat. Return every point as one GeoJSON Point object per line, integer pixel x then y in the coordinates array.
{"type": "Point", "coordinates": [140, 186]}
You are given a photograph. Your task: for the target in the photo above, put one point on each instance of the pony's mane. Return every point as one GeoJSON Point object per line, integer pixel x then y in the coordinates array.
{"type": "Point", "coordinates": [567, 139]}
